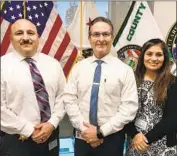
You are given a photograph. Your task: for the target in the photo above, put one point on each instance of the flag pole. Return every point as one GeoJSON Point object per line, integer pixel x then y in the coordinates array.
{"type": "Point", "coordinates": [81, 28]}
{"type": "Point", "coordinates": [24, 9]}
{"type": "Point", "coordinates": [2, 4]}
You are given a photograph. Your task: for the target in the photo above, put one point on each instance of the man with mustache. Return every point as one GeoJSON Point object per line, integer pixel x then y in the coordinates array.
{"type": "Point", "coordinates": [100, 96]}
{"type": "Point", "coordinates": [31, 87]}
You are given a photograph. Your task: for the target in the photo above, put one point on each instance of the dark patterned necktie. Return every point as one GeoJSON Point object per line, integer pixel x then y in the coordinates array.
{"type": "Point", "coordinates": [40, 91]}
{"type": "Point", "coordinates": [94, 94]}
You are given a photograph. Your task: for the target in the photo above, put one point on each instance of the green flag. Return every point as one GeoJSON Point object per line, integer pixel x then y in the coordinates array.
{"type": "Point", "coordinates": [138, 27]}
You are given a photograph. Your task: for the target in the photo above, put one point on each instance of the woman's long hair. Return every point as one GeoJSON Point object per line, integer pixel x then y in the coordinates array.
{"type": "Point", "coordinates": [163, 78]}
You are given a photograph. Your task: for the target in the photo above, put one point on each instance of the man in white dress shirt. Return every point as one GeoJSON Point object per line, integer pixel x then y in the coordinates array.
{"type": "Point", "coordinates": [117, 100]}
{"type": "Point", "coordinates": [22, 108]}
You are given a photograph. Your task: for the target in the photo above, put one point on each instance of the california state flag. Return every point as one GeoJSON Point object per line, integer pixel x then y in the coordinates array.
{"type": "Point", "coordinates": [78, 29]}
{"type": "Point", "coordinates": [138, 27]}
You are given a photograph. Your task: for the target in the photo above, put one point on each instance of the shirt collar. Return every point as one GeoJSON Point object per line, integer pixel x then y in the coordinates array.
{"type": "Point", "coordinates": [105, 58]}
{"type": "Point", "coordinates": [35, 57]}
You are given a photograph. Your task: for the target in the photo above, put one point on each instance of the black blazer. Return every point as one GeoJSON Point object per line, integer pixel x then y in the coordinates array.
{"type": "Point", "coordinates": [167, 126]}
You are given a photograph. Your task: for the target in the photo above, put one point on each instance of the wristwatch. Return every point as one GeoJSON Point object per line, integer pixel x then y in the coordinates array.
{"type": "Point", "coordinates": [99, 134]}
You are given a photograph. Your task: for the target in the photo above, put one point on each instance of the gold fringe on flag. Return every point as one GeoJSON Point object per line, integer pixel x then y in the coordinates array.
{"type": "Point", "coordinates": [81, 27]}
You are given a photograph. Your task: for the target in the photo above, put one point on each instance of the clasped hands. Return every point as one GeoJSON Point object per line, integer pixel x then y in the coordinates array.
{"type": "Point", "coordinates": [42, 132]}
{"type": "Point", "coordinates": [139, 142]}
{"type": "Point", "coordinates": [90, 135]}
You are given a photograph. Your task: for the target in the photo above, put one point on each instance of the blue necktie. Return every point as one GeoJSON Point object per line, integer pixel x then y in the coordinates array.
{"type": "Point", "coordinates": [94, 94]}
{"type": "Point", "coordinates": [40, 91]}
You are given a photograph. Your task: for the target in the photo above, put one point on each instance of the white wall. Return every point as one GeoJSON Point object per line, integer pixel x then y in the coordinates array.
{"type": "Point", "coordinates": [165, 15]}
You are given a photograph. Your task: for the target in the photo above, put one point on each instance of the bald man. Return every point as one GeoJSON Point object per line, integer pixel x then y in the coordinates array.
{"type": "Point", "coordinates": [31, 87]}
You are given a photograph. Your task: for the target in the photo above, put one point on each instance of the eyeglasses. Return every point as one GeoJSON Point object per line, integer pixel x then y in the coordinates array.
{"type": "Point", "coordinates": [98, 34]}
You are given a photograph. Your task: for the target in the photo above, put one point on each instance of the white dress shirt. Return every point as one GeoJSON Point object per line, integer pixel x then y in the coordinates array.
{"type": "Point", "coordinates": [19, 108]}
{"type": "Point", "coordinates": [117, 99]}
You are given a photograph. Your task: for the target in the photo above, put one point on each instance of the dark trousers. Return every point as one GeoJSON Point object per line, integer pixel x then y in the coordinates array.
{"type": "Point", "coordinates": [2, 153]}
{"type": "Point", "coordinates": [112, 146]}
{"type": "Point", "coordinates": [15, 147]}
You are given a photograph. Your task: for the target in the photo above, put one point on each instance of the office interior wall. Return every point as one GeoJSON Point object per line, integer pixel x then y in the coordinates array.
{"type": "Point", "coordinates": [165, 15]}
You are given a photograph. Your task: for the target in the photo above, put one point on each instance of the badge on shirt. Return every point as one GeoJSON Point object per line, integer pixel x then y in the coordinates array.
{"type": "Point", "coordinates": [52, 144]}
{"type": "Point", "coordinates": [140, 123]}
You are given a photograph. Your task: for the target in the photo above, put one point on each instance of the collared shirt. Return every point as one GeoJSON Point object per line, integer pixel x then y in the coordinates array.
{"type": "Point", "coordinates": [117, 99]}
{"type": "Point", "coordinates": [19, 108]}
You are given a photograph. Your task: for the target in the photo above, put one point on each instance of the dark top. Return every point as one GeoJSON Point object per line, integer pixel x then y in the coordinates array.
{"type": "Point", "coordinates": [168, 124]}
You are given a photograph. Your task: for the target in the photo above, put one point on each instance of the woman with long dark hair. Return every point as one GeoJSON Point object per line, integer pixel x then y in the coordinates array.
{"type": "Point", "coordinates": [155, 84]}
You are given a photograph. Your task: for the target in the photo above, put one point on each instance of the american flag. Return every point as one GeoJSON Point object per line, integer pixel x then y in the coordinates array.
{"type": "Point", "coordinates": [55, 40]}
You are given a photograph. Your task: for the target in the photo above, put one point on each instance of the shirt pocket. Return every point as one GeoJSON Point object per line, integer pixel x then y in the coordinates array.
{"type": "Point", "coordinates": [112, 94]}
{"type": "Point", "coordinates": [112, 90]}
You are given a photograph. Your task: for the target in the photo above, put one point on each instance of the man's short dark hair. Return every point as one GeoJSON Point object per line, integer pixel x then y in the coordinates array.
{"type": "Point", "coordinates": [101, 19]}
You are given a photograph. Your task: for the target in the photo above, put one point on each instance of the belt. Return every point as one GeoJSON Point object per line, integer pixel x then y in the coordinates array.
{"type": "Point", "coordinates": [77, 134]}
{"type": "Point", "coordinates": [21, 138]}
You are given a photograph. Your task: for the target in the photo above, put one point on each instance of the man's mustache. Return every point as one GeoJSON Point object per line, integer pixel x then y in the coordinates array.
{"type": "Point", "coordinates": [25, 42]}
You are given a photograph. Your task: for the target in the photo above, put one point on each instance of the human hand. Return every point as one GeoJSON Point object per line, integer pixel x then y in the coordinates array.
{"type": "Point", "coordinates": [35, 132]}
{"type": "Point", "coordinates": [139, 142]}
{"type": "Point", "coordinates": [90, 134]}
{"type": "Point", "coordinates": [42, 132]}
{"type": "Point", "coordinates": [97, 143]}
